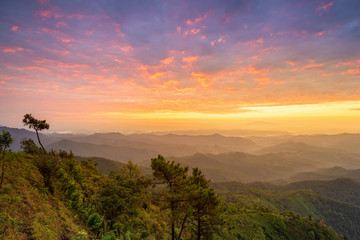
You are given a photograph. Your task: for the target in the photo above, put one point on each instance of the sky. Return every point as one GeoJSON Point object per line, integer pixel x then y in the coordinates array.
{"type": "Point", "coordinates": [127, 66]}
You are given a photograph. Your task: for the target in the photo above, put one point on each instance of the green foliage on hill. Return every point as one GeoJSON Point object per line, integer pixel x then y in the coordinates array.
{"type": "Point", "coordinates": [252, 222]}
{"type": "Point", "coordinates": [105, 166]}
{"type": "Point", "coordinates": [301, 198]}
{"type": "Point", "coordinates": [85, 204]}
{"type": "Point", "coordinates": [27, 211]}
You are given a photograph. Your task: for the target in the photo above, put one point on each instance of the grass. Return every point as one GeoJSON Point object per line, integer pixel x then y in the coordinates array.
{"type": "Point", "coordinates": [27, 211]}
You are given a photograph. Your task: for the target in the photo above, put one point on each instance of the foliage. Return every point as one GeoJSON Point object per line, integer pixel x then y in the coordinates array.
{"type": "Point", "coordinates": [37, 125]}
{"type": "Point", "coordinates": [29, 146]}
{"type": "Point", "coordinates": [47, 164]}
{"type": "Point", "coordinates": [85, 204]}
{"type": "Point", "coordinates": [5, 141]}
{"type": "Point", "coordinates": [339, 215]}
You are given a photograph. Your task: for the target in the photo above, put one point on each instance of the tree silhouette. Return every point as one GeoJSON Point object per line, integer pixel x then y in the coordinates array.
{"type": "Point", "coordinates": [5, 141]}
{"type": "Point", "coordinates": [205, 205]}
{"type": "Point", "coordinates": [174, 177]}
{"type": "Point", "coordinates": [36, 124]}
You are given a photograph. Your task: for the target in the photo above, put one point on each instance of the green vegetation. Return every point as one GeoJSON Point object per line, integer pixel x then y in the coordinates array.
{"type": "Point", "coordinates": [303, 198]}
{"type": "Point", "coordinates": [37, 125]}
{"type": "Point", "coordinates": [52, 195]}
{"type": "Point", "coordinates": [125, 205]}
{"type": "Point", "coordinates": [5, 141]}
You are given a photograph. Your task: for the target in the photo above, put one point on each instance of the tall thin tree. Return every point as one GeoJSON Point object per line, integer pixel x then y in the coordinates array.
{"type": "Point", "coordinates": [37, 125]}
{"type": "Point", "coordinates": [174, 196]}
{"type": "Point", "coordinates": [5, 141]}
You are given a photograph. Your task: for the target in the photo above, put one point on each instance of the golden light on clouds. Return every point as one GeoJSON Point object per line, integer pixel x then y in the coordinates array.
{"type": "Point", "coordinates": [120, 67]}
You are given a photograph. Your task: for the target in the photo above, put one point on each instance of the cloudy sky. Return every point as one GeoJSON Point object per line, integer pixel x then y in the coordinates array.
{"type": "Point", "coordinates": [112, 65]}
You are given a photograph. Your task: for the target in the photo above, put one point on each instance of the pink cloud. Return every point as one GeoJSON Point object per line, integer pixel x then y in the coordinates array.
{"type": "Point", "coordinates": [319, 34]}
{"type": "Point", "coordinates": [12, 50]}
{"type": "Point", "coordinates": [260, 41]}
{"type": "Point", "coordinates": [89, 32]}
{"type": "Point", "coordinates": [195, 21]}
{"type": "Point", "coordinates": [118, 30]}
{"type": "Point", "coordinates": [126, 48]}
{"type": "Point", "coordinates": [61, 24]}
{"type": "Point", "coordinates": [45, 14]}
{"type": "Point", "coordinates": [14, 28]}
{"type": "Point", "coordinates": [325, 6]}
{"type": "Point", "coordinates": [80, 16]}
{"type": "Point", "coordinates": [59, 64]}
{"type": "Point", "coordinates": [43, 1]}
{"type": "Point", "coordinates": [195, 31]}
{"type": "Point", "coordinates": [33, 68]}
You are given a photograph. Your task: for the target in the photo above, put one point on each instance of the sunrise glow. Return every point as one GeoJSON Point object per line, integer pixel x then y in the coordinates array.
{"type": "Point", "coordinates": [130, 66]}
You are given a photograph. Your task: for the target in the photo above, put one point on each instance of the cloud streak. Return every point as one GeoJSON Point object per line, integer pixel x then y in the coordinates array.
{"type": "Point", "coordinates": [179, 56]}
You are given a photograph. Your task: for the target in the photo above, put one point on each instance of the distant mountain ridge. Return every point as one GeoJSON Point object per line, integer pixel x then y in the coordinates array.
{"type": "Point", "coordinates": [221, 158]}
{"type": "Point", "coordinates": [349, 142]}
{"type": "Point", "coordinates": [236, 166]}
{"type": "Point", "coordinates": [296, 147]}
{"type": "Point", "coordinates": [326, 174]}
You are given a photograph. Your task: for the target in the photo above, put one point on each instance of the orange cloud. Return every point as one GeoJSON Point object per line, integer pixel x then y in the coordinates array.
{"type": "Point", "coordinates": [221, 39]}
{"type": "Point", "coordinates": [167, 60]}
{"type": "Point", "coordinates": [178, 29]}
{"type": "Point", "coordinates": [351, 71]}
{"type": "Point", "coordinates": [312, 66]}
{"type": "Point", "coordinates": [291, 63]}
{"type": "Point", "coordinates": [263, 80]}
{"type": "Point", "coordinates": [201, 78]}
{"type": "Point", "coordinates": [157, 75]}
{"type": "Point", "coordinates": [253, 71]}
{"type": "Point", "coordinates": [346, 63]}
{"type": "Point", "coordinates": [190, 59]}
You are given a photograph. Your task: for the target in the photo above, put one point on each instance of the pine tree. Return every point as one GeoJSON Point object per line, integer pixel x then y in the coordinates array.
{"type": "Point", "coordinates": [204, 203]}
{"type": "Point", "coordinates": [174, 196]}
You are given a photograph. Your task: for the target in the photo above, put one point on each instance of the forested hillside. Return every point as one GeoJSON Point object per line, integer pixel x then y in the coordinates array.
{"type": "Point", "coordinates": [335, 202]}
{"type": "Point", "coordinates": [54, 196]}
